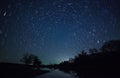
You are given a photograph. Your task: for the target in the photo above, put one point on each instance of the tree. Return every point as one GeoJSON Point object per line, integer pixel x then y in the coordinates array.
{"type": "Point", "coordinates": [27, 59]}
{"type": "Point", "coordinates": [83, 53]}
{"type": "Point", "coordinates": [93, 51]}
{"type": "Point", "coordinates": [36, 62]}
{"type": "Point", "coordinates": [111, 46]}
{"type": "Point", "coordinates": [30, 59]}
{"type": "Point", "coordinates": [71, 60]}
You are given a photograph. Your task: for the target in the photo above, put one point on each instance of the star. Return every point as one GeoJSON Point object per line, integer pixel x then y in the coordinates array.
{"type": "Point", "coordinates": [5, 13]}
{"type": "Point", "coordinates": [98, 41]}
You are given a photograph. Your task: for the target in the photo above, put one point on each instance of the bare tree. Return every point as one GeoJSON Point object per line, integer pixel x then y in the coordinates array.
{"type": "Point", "coordinates": [30, 59]}
{"type": "Point", "coordinates": [27, 59]}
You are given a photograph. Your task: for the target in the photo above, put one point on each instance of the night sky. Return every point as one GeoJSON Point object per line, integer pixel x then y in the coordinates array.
{"type": "Point", "coordinates": [56, 30]}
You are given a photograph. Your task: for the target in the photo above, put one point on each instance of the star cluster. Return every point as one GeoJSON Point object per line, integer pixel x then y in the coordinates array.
{"type": "Point", "coordinates": [56, 30]}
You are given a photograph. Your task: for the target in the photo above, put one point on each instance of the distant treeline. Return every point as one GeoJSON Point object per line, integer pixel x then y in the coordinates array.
{"type": "Point", "coordinates": [106, 58]}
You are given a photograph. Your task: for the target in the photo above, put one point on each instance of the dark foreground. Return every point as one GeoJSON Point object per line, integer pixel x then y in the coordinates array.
{"type": "Point", "coordinates": [8, 70]}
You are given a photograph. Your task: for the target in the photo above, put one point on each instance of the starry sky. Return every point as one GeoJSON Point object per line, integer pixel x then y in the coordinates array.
{"type": "Point", "coordinates": [56, 30]}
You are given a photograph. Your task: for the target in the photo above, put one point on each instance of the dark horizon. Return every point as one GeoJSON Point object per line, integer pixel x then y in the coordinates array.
{"type": "Point", "coordinates": [56, 30]}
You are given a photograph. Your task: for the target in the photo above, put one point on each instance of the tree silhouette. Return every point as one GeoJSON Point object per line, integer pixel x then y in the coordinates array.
{"type": "Point", "coordinates": [113, 45]}
{"type": "Point", "coordinates": [93, 51]}
{"type": "Point", "coordinates": [27, 59]}
{"type": "Point", "coordinates": [105, 59]}
{"type": "Point", "coordinates": [30, 59]}
{"type": "Point", "coordinates": [71, 60]}
{"type": "Point", "coordinates": [36, 62]}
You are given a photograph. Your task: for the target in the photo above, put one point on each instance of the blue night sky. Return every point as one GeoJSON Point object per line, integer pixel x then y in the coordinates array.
{"type": "Point", "coordinates": [56, 30]}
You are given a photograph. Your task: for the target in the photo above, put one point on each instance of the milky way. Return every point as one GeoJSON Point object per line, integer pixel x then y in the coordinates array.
{"type": "Point", "coordinates": [56, 30]}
